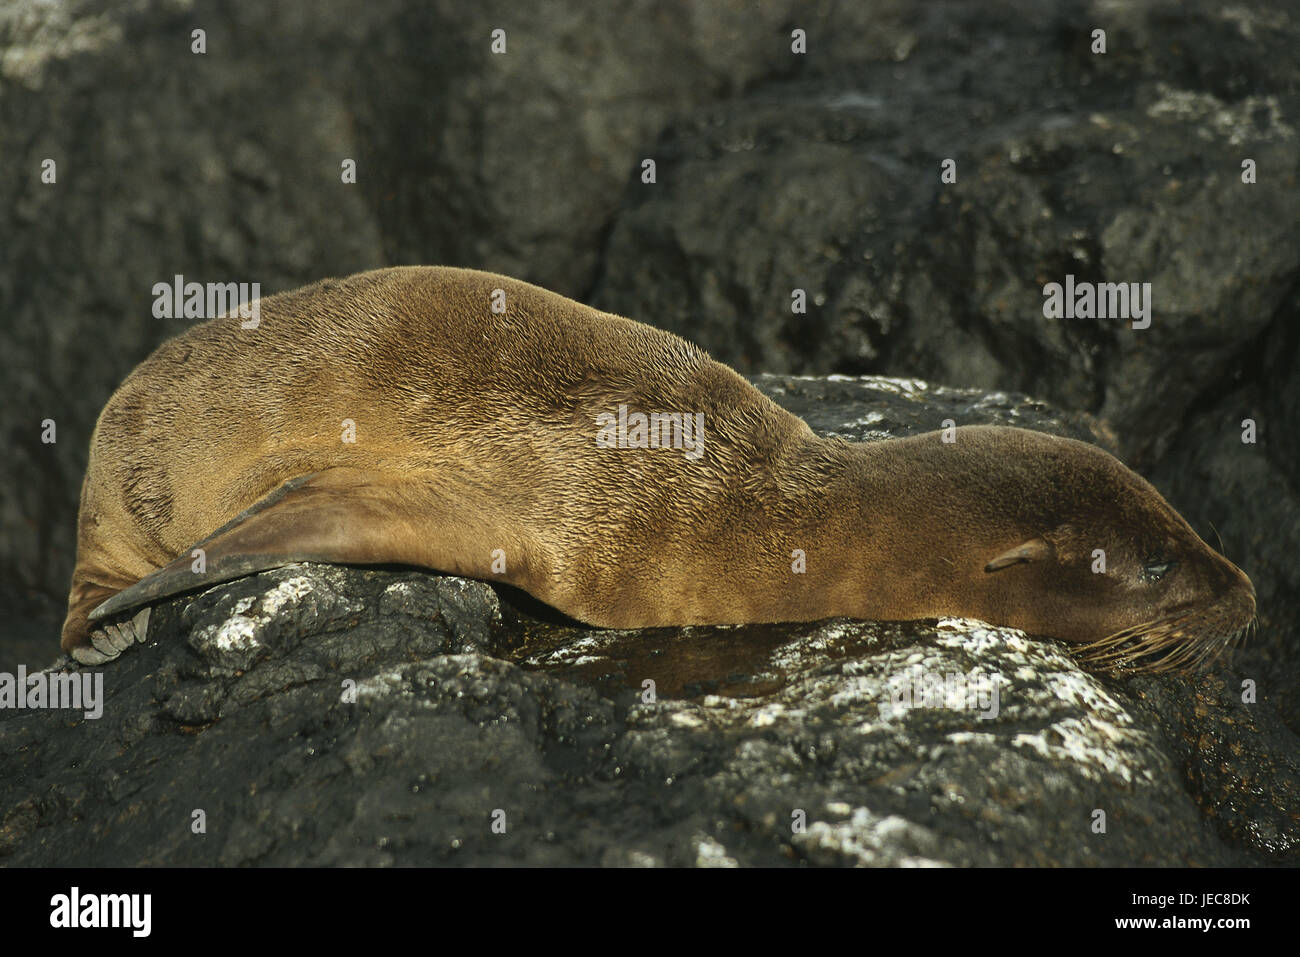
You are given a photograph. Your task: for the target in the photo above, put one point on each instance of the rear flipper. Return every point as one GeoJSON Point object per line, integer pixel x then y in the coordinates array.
{"type": "Point", "coordinates": [337, 516]}
{"type": "Point", "coordinates": [106, 640]}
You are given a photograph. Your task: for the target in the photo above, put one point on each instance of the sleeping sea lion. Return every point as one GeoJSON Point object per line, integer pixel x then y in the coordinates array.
{"type": "Point", "coordinates": [480, 426]}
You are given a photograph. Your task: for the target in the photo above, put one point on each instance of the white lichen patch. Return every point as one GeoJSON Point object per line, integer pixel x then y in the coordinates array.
{"type": "Point", "coordinates": [979, 636]}
{"type": "Point", "coordinates": [899, 386]}
{"type": "Point", "coordinates": [578, 649]}
{"type": "Point", "coordinates": [1080, 689]}
{"type": "Point", "coordinates": [400, 591]}
{"type": "Point", "coordinates": [687, 719]}
{"type": "Point", "coordinates": [1098, 738]}
{"type": "Point", "coordinates": [857, 692]}
{"type": "Point", "coordinates": [1235, 123]}
{"type": "Point", "coordinates": [767, 715]}
{"type": "Point", "coordinates": [871, 418]}
{"type": "Point", "coordinates": [723, 702]}
{"type": "Point", "coordinates": [775, 713]}
{"type": "Point", "coordinates": [1097, 747]}
{"type": "Point", "coordinates": [881, 383]}
{"type": "Point", "coordinates": [796, 654]}
{"type": "Point", "coordinates": [709, 853]}
{"type": "Point", "coordinates": [286, 593]}
{"type": "Point", "coordinates": [237, 632]}
{"type": "Point", "coordinates": [1001, 401]}
{"type": "Point", "coordinates": [42, 33]}
{"type": "Point", "coordinates": [975, 738]}
{"type": "Point", "coordinates": [1015, 648]}
{"type": "Point", "coordinates": [383, 685]}
{"type": "Point", "coordinates": [873, 841]}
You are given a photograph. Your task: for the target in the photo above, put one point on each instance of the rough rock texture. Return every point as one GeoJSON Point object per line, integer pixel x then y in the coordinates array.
{"type": "Point", "coordinates": [1113, 170]}
{"type": "Point", "coordinates": [324, 715]}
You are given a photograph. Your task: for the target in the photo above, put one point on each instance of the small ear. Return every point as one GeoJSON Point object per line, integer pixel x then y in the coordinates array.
{"type": "Point", "coordinates": [1030, 551]}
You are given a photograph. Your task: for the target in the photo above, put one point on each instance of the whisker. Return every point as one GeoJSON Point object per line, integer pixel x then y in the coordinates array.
{"type": "Point", "coordinates": [1182, 643]}
{"type": "Point", "coordinates": [1218, 536]}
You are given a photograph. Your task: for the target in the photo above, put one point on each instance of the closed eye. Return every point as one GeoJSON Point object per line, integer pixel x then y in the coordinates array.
{"type": "Point", "coordinates": [1155, 570]}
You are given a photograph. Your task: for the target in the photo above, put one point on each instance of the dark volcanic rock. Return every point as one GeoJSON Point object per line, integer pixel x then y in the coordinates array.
{"type": "Point", "coordinates": [1117, 169]}
{"type": "Point", "coordinates": [324, 715]}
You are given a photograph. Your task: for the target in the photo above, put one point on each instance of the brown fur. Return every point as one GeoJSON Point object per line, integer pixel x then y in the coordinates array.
{"type": "Point", "coordinates": [476, 431]}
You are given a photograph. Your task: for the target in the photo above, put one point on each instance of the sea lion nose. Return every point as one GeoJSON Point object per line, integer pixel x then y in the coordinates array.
{"type": "Point", "coordinates": [1245, 589]}
{"type": "Point", "coordinates": [1244, 579]}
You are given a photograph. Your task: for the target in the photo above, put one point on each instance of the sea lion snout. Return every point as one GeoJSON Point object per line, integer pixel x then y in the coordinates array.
{"type": "Point", "coordinates": [1236, 596]}
{"type": "Point", "coordinates": [1203, 607]}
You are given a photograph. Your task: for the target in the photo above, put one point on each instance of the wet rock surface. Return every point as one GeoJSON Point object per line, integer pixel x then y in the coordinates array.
{"type": "Point", "coordinates": [319, 714]}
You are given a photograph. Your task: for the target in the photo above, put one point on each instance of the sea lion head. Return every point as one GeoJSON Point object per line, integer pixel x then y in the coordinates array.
{"type": "Point", "coordinates": [1088, 551]}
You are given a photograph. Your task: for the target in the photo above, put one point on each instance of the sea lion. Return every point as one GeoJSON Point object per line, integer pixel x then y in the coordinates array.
{"type": "Point", "coordinates": [610, 469]}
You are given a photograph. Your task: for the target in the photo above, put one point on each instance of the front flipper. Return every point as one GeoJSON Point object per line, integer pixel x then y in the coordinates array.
{"type": "Point", "coordinates": [337, 516]}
